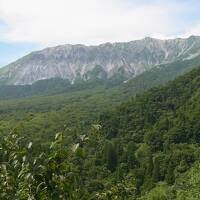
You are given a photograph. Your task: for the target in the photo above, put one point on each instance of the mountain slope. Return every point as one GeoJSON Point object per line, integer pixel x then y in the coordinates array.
{"type": "Point", "coordinates": [149, 107]}
{"type": "Point", "coordinates": [151, 78]}
{"type": "Point", "coordinates": [79, 62]}
{"type": "Point", "coordinates": [164, 125]}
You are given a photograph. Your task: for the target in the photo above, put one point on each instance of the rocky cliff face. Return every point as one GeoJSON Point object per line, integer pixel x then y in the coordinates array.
{"type": "Point", "coordinates": [74, 62]}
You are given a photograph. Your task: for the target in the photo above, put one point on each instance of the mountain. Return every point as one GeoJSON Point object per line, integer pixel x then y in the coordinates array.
{"type": "Point", "coordinates": [148, 79]}
{"type": "Point", "coordinates": [106, 61]}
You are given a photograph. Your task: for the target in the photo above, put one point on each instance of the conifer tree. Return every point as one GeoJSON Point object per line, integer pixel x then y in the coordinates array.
{"type": "Point", "coordinates": [111, 157]}
{"type": "Point", "coordinates": [170, 178]}
{"type": "Point", "coordinates": [156, 169]}
{"type": "Point", "coordinates": [150, 165]}
{"type": "Point", "coordinates": [131, 159]}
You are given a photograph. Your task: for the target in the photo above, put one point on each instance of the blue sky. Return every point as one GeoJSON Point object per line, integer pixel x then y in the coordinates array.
{"type": "Point", "coordinates": [28, 25]}
{"type": "Point", "coordinates": [9, 52]}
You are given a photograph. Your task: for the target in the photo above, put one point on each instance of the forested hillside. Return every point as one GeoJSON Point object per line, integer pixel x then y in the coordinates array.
{"type": "Point", "coordinates": [163, 123]}
{"type": "Point", "coordinates": [146, 148]}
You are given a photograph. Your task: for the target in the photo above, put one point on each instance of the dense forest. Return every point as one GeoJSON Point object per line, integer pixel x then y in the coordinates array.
{"type": "Point", "coordinates": [86, 144]}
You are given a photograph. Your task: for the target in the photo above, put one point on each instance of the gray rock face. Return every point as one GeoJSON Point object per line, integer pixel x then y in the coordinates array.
{"type": "Point", "coordinates": [79, 61]}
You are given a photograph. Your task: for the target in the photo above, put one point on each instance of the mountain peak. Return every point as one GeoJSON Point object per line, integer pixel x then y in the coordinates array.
{"type": "Point", "coordinates": [150, 39]}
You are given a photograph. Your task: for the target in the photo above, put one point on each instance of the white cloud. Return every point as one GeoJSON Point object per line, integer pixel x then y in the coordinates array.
{"type": "Point", "coordinates": [195, 30]}
{"type": "Point", "coordinates": [51, 22]}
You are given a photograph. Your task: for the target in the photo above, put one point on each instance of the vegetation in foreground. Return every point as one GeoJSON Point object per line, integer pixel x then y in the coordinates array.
{"type": "Point", "coordinates": [147, 149]}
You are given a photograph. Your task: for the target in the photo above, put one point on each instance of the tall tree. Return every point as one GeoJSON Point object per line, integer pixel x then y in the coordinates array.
{"type": "Point", "coordinates": [156, 169]}
{"type": "Point", "coordinates": [131, 159]}
{"type": "Point", "coordinates": [170, 178]}
{"type": "Point", "coordinates": [150, 165]}
{"type": "Point", "coordinates": [111, 157]}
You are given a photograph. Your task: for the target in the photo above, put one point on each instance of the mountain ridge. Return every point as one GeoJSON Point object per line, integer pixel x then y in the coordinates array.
{"type": "Point", "coordinates": [81, 62]}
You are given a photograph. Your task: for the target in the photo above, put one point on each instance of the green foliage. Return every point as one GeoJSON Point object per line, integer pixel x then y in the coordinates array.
{"type": "Point", "coordinates": [145, 148]}
{"type": "Point", "coordinates": [26, 177]}
{"type": "Point", "coordinates": [123, 190]}
{"type": "Point", "coordinates": [111, 156]}
{"type": "Point", "coordinates": [156, 169]}
{"type": "Point", "coordinates": [170, 177]}
{"type": "Point", "coordinates": [161, 192]}
{"type": "Point", "coordinates": [131, 158]}
{"type": "Point", "coordinates": [187, 186]}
